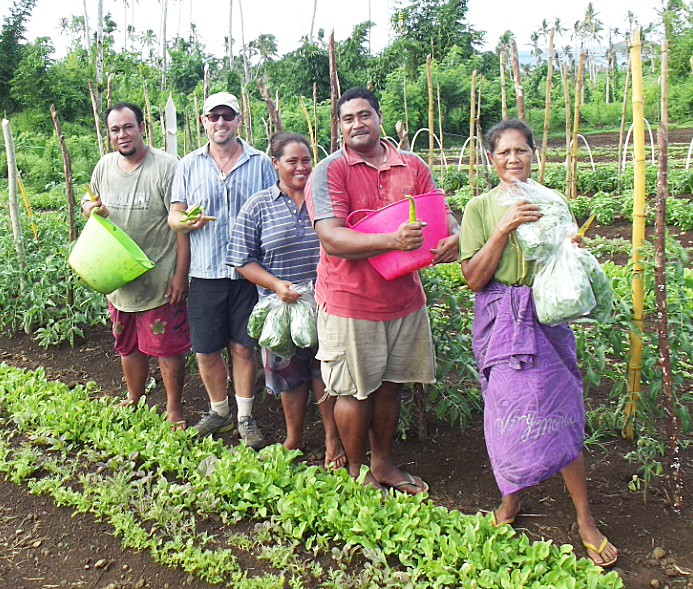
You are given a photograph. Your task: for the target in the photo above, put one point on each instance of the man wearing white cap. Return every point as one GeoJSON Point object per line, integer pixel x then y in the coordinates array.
{"type": "Point", "coordinates": [220, 176]}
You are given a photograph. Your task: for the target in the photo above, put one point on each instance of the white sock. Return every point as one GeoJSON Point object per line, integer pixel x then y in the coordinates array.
{"type": "Point", "coordinates": [245, 406]}
{"type": "Point", "coordinates": [221, 407]}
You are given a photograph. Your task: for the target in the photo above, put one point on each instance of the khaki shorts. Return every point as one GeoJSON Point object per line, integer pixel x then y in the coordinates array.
{"type": "Point", "coordinates": [358, 354]}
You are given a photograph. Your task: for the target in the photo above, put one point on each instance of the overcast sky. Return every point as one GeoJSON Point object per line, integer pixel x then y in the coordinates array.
{"type": "Point", "coordinates": [290, 20]}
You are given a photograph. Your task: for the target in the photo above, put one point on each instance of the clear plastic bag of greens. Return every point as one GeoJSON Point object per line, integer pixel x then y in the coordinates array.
{"type": "Point", "coordinates": [562, 290]}
{"type": "Point", "coordinates": [539, 239]}
{"type": "Point", "coordinates": [259, 314]}
{"type": "Point", "coordinates": [601, 287]}
{"type": "Point", "coordinates": [304, 315]}
{"type": "Point", "coordinates": [276, 331]}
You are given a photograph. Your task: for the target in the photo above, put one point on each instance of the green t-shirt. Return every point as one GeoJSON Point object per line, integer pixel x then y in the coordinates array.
{"type": "Point", "coordinates": [481, 215]}
{"type": "Point", "coordinates": [138, 202]}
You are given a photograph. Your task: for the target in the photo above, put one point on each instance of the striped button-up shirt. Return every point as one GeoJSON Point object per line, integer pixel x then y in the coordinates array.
{"type": "Point", "coordinates": [272, 231]}
{"type": "Point", "coordinates": [198, 180]}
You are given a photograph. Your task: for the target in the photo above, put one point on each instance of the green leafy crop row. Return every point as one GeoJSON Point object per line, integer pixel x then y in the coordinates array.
{"type": "Point", "coordinates": [428, 544]}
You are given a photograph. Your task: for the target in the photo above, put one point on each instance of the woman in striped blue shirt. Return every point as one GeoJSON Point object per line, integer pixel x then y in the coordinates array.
{"type": "Point", "coordinates": [274, 245]}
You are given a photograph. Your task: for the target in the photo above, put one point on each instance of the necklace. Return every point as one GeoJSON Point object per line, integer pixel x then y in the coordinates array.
{"type": "Point", "coordinates": [222, 176]}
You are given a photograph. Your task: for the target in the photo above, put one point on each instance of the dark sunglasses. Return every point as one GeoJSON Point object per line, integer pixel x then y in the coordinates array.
{"type": "Point", "coordinates": [227, 116]}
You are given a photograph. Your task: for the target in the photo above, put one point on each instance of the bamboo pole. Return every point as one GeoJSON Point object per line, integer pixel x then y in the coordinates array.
{"type": "Point", "coordinates": [14, 203]}
{"type": "Point", "coordinates": [504, 91]}
{"type": "Point", "coordinates": [568, 159]}
{"type": "Point", "coordinates": [519, 90]}
{"type": "Point", "coordinates": [472, 130]}
{"type": "Point", "coordinates": [431, 123]}
{"type": "Point", "coordinates": [313, 139]}
{"type": "Point", "coordinates": [97, 118]}
{"type": "Point", "coordinates": [634, 364]}
{"type": "Point", "coordinates": [547, 111]}
{"type": "Point", "coordinates": [672, 422]}
{"type": "Point", "coordinates": [150, 116]}
{"type": "Point", "coordinates": [27, 206]}
{"type": "Point", "coordinates": [622, 130]}
{"type": "Point", "coordinates": [334, 94]}
{"type": "Point", "coordinates": [576, 122]}
{"type": "Point", "coordinates": [315, 114]}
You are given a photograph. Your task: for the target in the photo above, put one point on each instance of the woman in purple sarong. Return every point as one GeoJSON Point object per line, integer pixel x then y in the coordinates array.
{"type": "Point", "coordinates": [534, 416]}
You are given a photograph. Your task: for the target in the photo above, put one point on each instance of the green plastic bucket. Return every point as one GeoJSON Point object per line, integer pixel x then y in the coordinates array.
{"type": "Point", "coordinates": [105, 257]}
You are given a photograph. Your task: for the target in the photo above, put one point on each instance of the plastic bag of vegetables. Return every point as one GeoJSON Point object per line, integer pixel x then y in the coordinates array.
{"type": "Point", "coordinates": [540, 238]}
{"type": "Point", "coordinates": [259, 314]}
{"type": "Point", "coordinates": [304, 314]}
{"type": "Point", "coordinates": [276, 331]}
{"type": "Point", "coordinates": [562, 290]}
{"type": "Point", "coordinates": [281, 326]}
{"type": "Point", "coordinates": [601, 287]}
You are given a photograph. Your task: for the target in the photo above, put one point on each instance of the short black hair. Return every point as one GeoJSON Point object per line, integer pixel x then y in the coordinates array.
{"type": "Point", "coordinates": [280, 140]}
{"type": "Point", "coordinates": [139, 115]}
{"type": "Point", "coordinates": [358, 92]}
{"type": "Point", "coordinates": [494, 134]}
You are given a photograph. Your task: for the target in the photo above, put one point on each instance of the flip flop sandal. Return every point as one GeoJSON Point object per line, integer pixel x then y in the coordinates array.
{"type": "Point", "coordinates": [332, 464]}
{"type": "Point", "coordinates": [409, 480]}
{"type": "Point", "coordinates": [599, 551]}
{"type": "Point", "coordinates": [509, 521]}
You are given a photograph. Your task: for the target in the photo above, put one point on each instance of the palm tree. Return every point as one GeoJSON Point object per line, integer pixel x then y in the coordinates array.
{"type": "Point", "coordinates": [148, 40]}
{"type": "Point", "coordinates": [312, 20]}
{"type": "Point", "coordinates": [87, 36]}
{"type": "Point", "coordinates": [536, 50]}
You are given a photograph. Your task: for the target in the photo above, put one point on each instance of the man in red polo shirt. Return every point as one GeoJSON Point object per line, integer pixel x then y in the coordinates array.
{"type": "Point", "coordinates": [374, 333]}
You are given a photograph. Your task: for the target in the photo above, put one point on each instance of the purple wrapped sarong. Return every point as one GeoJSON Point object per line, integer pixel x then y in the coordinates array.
{"type": "Point", "coordinates": [534, 417]}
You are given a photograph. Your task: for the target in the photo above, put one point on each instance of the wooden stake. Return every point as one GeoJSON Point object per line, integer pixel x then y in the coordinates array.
{"type": "Point", "coordinates": [248, 116]}
{"type": "Point", "coordinates": [568, 159]}
{"type": "Point", "coordinates": [472, 130]}
{"type": "Point", "coordinates": [15, 219]}
{"type": "Point", "coordinates": [576, 121]}
{"type": "Point", "coordinates": [274, 116]}
{"type": "Point", "coordinates": [672, 421]}
{"type": "Point", "coordinates": [504, 91]}
{"type": "Point", "coordinates": [109, 94]}
{"type": "Point", "coordinates": [150, 116]}
{"type": "Point", "coordinates": [97, 118]}
{"type": "Point", "coordinates": [547, 111]}
{"type": "Point", "coordinates": [197, 119]}
{"type": "Point", "coordinates": [519, 89]}
{"type": "Point", "coordinates": [334, 94]}
{"type": "Point", "coordinates": [622, 131]}
{"type": "Point", "coordinates": [431, 124]}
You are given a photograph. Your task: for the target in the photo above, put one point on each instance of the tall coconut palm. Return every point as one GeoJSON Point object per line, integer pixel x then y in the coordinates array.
{"type": "Point", "coordinates": [164, 18]}
{"type": "Point", "coordinates": [536, 50]}
{"type": "Point", "coordinates": [229, 40]}
{"type": "Point", "coordinates": [312, 20]}
{"type": "Point", "coordinates": [87, 36]}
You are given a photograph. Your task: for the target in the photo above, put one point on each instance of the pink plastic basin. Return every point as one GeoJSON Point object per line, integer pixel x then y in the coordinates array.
{"type": "Point", "coordinates": [430, 208]}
